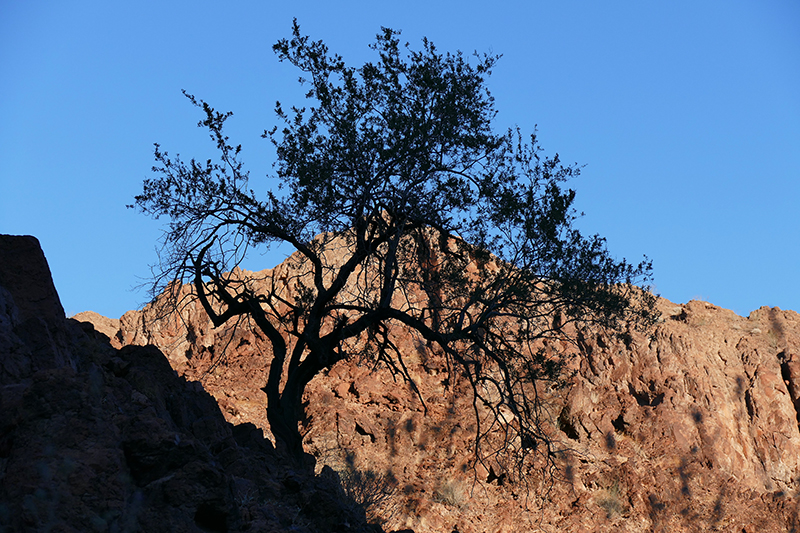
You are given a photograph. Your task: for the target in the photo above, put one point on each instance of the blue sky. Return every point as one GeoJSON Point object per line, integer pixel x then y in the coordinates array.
{"type": "Point", "coordinates": [686, 116]}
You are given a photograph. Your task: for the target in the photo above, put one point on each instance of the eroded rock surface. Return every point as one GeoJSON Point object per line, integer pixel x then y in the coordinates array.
{"type": "Point", "coordinates": [693, 427]}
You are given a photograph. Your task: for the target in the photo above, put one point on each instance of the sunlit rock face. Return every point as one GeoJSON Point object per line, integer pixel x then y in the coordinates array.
{"type": "Point", "coordinates": [692, 426]}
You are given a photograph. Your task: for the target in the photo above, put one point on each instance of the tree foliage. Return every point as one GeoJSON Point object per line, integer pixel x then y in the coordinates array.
{"type": "Point", "coordinates": [406, 209]}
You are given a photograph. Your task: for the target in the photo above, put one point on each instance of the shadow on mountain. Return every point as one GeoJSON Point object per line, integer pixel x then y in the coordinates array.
{"type": "Point", "coordinates": [98, 439]}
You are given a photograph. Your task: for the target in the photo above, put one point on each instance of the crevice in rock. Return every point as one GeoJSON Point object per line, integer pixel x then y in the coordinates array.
{"type": "Point", "coordinates": [585, 347]}
{"type": "Point", "coordinates": [601, 343]}
{"type": "Point", "coordinates": [626, 338]}
{"type": "Point", "coordinates": [748, 401]}
{"type": "Point", "coordinates": [361, 431]}
{"type": "Point", "coordinates": [786, 375]}
{"type": "Point", "coordinates": [585, 429]}
{"type": "Point", "coordinates": [642, 398]}
{"type": "Point", "coordinates": [191, 334]}
{"type": "Point", "coordinates": [566, 425]}
{"type": "Point", "coordinates": [619, 423]}
{"type": "Point", "coordinates": [647, 398]}
{"type": "Point", "coordinates": [657, 399]}
{"type": "Point", "coordinates": [352, 390]}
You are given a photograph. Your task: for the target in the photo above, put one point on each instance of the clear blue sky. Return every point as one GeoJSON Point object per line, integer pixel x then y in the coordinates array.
{"type": "Point", "coordinates": [686, 115]}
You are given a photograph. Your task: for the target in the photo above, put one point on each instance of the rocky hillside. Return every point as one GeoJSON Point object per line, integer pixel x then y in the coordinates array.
{"type": "Point", "coordinates": [95, 438]}
{"type": "Point", "coordinates": [691, 428]}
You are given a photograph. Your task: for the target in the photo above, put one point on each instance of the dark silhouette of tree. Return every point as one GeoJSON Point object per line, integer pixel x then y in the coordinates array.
{"type": "Point", "coordinates": [406, 210]}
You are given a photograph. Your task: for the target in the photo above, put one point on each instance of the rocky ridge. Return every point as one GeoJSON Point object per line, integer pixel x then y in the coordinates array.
{"type": "Point", "coordinates": [693, 427]}
{"type": "Point", "coordinates": [96, 438]}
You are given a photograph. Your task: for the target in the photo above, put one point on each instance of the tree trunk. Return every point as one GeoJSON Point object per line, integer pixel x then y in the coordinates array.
{"type": "Point", "coordinates": [285, 409]}
{"type": "Point", "coordinates": [283, 424]}
{"type": "Point", "coordinates": [284, 413]}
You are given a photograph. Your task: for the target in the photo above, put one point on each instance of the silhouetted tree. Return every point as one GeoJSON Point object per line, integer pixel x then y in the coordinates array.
{"type": "Point", "coordinates": [406, 209]}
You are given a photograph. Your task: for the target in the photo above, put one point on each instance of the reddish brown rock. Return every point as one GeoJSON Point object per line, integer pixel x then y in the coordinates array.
{"type": "Point", "coordinates": [103, 325]}
{"type": "Point", "coordinates": [692, 427]}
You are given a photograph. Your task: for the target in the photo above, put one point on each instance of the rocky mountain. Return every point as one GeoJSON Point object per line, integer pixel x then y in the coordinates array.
{"type": "Point", "coordinates": [98, 438]}
{"type": "Point", "coordinates": [108, 425]}
{"type": "Point", "coordinates": [690, 427]}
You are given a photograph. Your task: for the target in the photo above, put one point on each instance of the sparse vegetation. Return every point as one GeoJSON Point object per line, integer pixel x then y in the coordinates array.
{"type": "Point", "coordinates": [372, 491]}
{"type": "Point", "coordinates": [450, 492]}
{"type": "Point", "coordinates": [405, 209]}
{"type": "Point", "coordinates": [612, 500]}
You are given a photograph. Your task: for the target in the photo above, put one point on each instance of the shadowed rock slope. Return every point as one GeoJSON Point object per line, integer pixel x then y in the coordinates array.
{"type": "Point", "coordinates": [691, 428]}
{"type": "Point", "coordinates": [93, 438]}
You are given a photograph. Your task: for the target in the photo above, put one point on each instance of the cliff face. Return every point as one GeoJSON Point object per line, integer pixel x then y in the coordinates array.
{"type": "Point", "coordinates": [691, 428]}
{"type": "Point", "coordinates": [98, 439]}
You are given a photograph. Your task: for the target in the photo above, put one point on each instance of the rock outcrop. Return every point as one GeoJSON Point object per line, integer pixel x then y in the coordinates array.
{"type": "Point", "coordinates": [691, 427]}
{"type": "Point", "coordinates": [93, 438]}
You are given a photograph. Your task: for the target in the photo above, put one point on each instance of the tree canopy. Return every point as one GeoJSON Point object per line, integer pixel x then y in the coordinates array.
{"type": "Point", "coordinates": [406, 208]}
